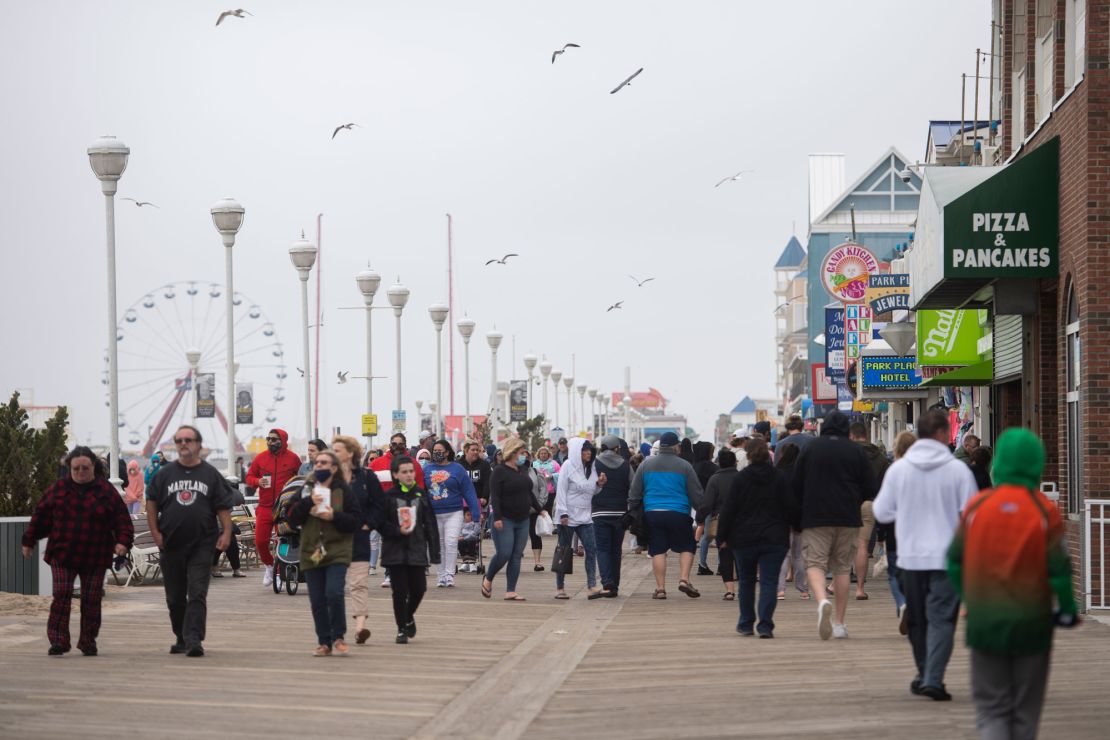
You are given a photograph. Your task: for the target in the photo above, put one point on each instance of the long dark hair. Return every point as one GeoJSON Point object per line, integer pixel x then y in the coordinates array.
{"type": "Point", "coordinates": [82, 451]}
{"type": "Point", "coordinates": [786, 455]}
{"type": "Point", "coordinates": [446, 446]}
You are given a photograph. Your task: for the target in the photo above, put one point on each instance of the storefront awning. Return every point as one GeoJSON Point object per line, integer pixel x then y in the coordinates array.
{"type": "Point", "coordinates": [981, 373]}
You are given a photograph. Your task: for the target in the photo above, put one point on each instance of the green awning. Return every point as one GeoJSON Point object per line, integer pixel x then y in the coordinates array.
{"type": "Point", "coordinates": [981, 373]}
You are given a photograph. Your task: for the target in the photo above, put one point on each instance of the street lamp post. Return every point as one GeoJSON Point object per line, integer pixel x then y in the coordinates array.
{"type": "Point", "coordinates": [438, 312]}
{"type": "Point", "coordinates": [545, 372]}
{"type": "Point", "coordinates": [368, 282]}
{"type": "Point", "coordinates": [419, 414]}
{"type": "Point", "coordinates": [530, 361]}
{"type": "Point", "coordinates": [582, 407]}
{"type": "Point", "coordinates": [398, 296]}
{"type": "Point", "coordinates": [434, 408]}
{"type": "Point", "coordinates": [227, 216]}
{"type": "Point", "coordinates": [592, 392]}
{"type": "Point", "coordinates": [192, 356]}
{"type": "Point", "coordinates": [556, 376]}
{"type": "Point", "coordinates": [303, 256]}
{"type": "Point", "coordinates": [494, 338]}
{"type": "Point", "coordinates": [108, 159]}
{"type": "Point", "coordinates": [626, 404]}
{"type": "Point", "coordinates": [466, 330]}
{"type": "Point", "coordinates": [568, 381]}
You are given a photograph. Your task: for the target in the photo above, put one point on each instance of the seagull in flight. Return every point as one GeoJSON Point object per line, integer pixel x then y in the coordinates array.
{"type": "Point", "coordinates": [640, 283]}
{"type": "Point", "coordinates": [614, 307]}
{"type": "Point", "coordinates": [300, 371]}
{"type": "Point", "coordinates": [502, 260]}
{"type": "Point", "coordinates": [628, 81]}
{"type": "Point", "coordinates": [239, 13]}
{"type": "Point", "coordinates": [557, 52]}
{"type": "Point", "coordinates": [733, 178]}
{"type": "Point", "coordinates": [343, 376]}
{"type": "Point", "coordinates": [347, 126]}
{"type": "Point", "coordinates": [140, 203]}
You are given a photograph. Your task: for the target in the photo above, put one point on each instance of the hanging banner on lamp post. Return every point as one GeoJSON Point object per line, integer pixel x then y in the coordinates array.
{"type": "Point", "coordinates": [206, 395]}
{"type": "Point", "coordinates": [244, 403]}
{"type": "Point", "coordinates": [518, 400]}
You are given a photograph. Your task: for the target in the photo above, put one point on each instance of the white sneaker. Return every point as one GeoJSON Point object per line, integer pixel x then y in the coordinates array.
{"type": "Point", "coordinates": [268, 576]}
{"type": "Point", "coordinates": [449, 581]}
{"type": "Point", "coordinates": [840, 632]}
{"type": "Point", "coordinates": [385, 583]}
{"type": "Point", "coordinates": [373, 570]}
{"type": "Point", "coordinates": [441, 582]}
{"type": "Point", "coordinates": [824, 619]}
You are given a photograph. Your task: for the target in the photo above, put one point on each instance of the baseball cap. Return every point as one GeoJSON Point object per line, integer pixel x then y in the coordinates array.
{"type": "Point", "coordinates": [425, 434]}
{"type": "Point", "coordinates": [609, 442]}
{"type": "Point", "coordinates": [763, 427]}
{"type": "Point", "coordinates": [669, 439]}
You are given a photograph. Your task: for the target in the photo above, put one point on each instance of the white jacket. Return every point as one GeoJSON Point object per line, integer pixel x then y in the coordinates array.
{"type": "Point", "coordinates": [574, 496]}
{"type": "Point", "coordinates": [923, 494]}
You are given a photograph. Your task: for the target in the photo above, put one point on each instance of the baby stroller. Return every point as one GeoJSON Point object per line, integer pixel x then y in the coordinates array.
{"type": "Point", "coordinates": [287, 549]}
{"type": "Point", "coordinates": [470, 549]}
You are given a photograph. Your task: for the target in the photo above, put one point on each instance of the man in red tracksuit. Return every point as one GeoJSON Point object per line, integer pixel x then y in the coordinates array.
{"type": "Point", "coordinates": [268, 473]}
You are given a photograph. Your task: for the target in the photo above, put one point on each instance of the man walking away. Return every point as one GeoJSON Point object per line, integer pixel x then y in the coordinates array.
{"type": "Point", "coordinates": [832, 479]}
{"type": "Point", "coordinates": [1007, 561]}
{"type": "Point", "coordinates": [609, 506]}
{"type": "Point", "coordinates": [794, 435]}
{"type": "Point", "coordinates": [857, 432]}
{"type": "Point", "coordinates": [923, 494]}
{"type": "Point", "coordinates": [189, 514]}
{"type": "Point", "coordinates": [269, 472]}
{"type": "Point", "coordinates": [664, 490]}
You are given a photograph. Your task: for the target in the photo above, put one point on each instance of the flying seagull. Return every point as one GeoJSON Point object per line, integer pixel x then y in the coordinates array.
{"type": "Point", "coordinates": [640, 283]}
{"type": "Point", "coordinates": [628, 81]}
{"type": "Point", "coordinates": [343, 376]}
{"type": "Point", "coordinates": [300, 371]}
{"type": "Point", "coordinates": [234, 13]}
{"type": "Point", "coordinates": [557, 52]}
{"type": "Point", "coordinates": [614, 306]}
{"type": "Point", "coordinates": [733, 178]}
{"type": "Point", "coordinates": [502, 260]}
{"type": "Point", "coordinates": [140, 203]}
{"type": "Point", "coordinates": [347, 126]}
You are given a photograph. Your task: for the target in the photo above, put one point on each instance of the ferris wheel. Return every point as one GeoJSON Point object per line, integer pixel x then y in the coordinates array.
{"type": "Point", "coordinates": [178, 332]}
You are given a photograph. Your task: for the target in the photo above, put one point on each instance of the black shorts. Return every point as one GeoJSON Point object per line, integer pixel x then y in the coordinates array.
{"type": "Point", "coordinates": [669, 530]}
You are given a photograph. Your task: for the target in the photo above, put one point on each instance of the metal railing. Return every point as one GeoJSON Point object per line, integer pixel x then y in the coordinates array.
{"type": "Point", "coordinates": [1096, 518]}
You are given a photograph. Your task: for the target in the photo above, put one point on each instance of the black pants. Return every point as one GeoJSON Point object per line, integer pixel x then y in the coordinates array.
{"type": "Point", "coordinates": [726, 564]}
{"type": "Point", "coordinates": [232, 551]}
{"type": "Point", "coordinates": [186, 574]}
{"type": "Point", "coordinates": [409, 584]}
{"type": "Point", "coordinates": [537, 541]}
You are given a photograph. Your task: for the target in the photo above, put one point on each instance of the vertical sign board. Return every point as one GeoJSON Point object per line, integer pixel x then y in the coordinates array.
{"type": "Point", "coordinates": [399, 422]}
{"type": "Point", "coordinates": [857, 330]}
{"type": "Point", "coordinates": [518, 400]}
{"type": "Point", "coordinates": [834, 344]}
{"type": "Point", "coordinates": [369, 425]}
{"type": "Point", "coordinates": [244, 403]}
{"type": "Point", "coordinates": [206, 395]}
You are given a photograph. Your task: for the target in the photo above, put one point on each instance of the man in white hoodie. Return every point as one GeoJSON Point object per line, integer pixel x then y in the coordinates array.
{"type": "Point", "coordinates": [923, 494]}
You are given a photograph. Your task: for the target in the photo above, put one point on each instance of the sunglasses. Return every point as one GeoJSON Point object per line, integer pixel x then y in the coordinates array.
{"type": "Point", "coordinates": [273, 439]}
{"type": "Point", "coordinates": [183, 440]}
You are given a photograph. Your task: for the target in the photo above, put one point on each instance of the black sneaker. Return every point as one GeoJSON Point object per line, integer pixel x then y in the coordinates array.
{"type": "Point", "coordinates": [744, 633]}
{"type": "Point", "coordinates": [936, 693]}
{"type": "Point", "coordinates": [402, 638]}
{"type": "Point", "coordinates": [410, 628]}
{"type": "Point", "coordinates": [178, 648]}
{"type": "Point", "coordinates": [56, 649]}
{"type": "Point", "coordinates": [703, 571]}
{"type": "Point", "coordinates": [915, 686]}
{"type": "Point", "coordinates": [766, 635]}
{"type": "Point", "coordinates": [89, 651]}
{"type": "Point", "coordinates": [196, 651]}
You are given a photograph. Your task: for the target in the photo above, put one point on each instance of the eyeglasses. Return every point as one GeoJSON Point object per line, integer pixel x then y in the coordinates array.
{"type": "Point", "coordinates": [183, 440]}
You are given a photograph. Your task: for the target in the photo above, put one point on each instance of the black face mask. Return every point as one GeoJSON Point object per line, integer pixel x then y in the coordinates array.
{"type": "Point", "coordinates": [397, 448]}
{"type": "Point", "coordinates": [273, 447]}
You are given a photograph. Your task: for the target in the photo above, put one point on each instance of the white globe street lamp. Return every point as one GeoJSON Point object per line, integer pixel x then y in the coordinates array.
{"type": "Point", "coordinates": [594, 416]}
{"type": "Point", "coordinates": [582, 407]}
{"type": "Point", "coordinates": [545, 372]}
{"type": "Point", "coordinates": [368, 282]}
{"type": "Point", "coordinates": [303, 256]}
{"type": "Point", "coordinates": [227, 217]}
{"type": "Point", "coordinates": [108, 159]}
{"type": "Point", "coordinates": [556, 376]}
{"type": "Point", "coordinates": [434, 408]}
{"type": "Point", "coordinates": [438, 312]}
{"type": "Point", "coordinates": [494, 338]}
{"type": "Point", "coordinates": [568, 381]}
{"type": "Point", "coordinates": [466, 330]}
{"type": "Point", "coordinates": [626, 404]}
{"type": "Point", "coordinates": [530, 361]}
{"type": "Point", "coordinates": [398, 296]}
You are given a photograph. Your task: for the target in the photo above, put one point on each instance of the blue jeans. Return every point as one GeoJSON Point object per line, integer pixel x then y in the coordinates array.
{"type": "Point", "coordinates": [703, 547]}
{"type": "Point", "coordinates": [892, 575]}
{"type": "Point", "coordinates": [508, 543]}
{"type": "Point", "coordinates": [585, 534]}
{"type": "Point", "coordinates": [609, 535]}
{"type": "Point", "coordinates": [325, 596]}
{"type": "Point", "coordinates": [375, 547]}
{"type": "Point", "coordinates": [767, 559]}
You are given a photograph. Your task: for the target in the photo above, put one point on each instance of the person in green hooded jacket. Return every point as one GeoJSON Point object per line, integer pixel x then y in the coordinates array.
{"type": "Point", "coordinates": [1007, 561]}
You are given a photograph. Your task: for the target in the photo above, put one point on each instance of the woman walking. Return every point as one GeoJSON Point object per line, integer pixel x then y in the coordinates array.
{"type": "Point", "coordinates": [449, 487]}
{"type": "Point", "coordinates": [716, 491]}
{"type": "Point", "coordinates": [755, 525]}
{"type": "Point", "coordinates": [511, 499]}
{"type": "Point", "coordinates": [136, 488]}
{"type": "Point", "coordinates": [328, 515]}
{"type": "Point", "coordinates": [578, 483]}
{"type": "Point", "coordinates": [410, 543]}
{"type": "Point", "coordinates": [85, 523]}
{"type": "Point", "coordinates": [543, 503]}
{"type": "Point", "coordinates": [370, 497]}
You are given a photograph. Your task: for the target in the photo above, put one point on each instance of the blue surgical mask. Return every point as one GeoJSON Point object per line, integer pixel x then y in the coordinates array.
{"type": "Point", "coordinates": [521, 459]}
{"type": "Point", "coordinates": [322, 475]}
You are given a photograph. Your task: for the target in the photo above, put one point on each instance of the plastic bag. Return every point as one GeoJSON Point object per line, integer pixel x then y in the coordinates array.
{"type": "Point", "coordinates": [544, 525]}
{"type": "Point", "coordinates": [880, 567]}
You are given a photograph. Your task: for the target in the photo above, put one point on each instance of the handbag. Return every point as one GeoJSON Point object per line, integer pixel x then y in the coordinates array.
{"type": "Point", "coordinates": [544, 525]}
{"type": "Point", "coordinates": [563, 561]}
{"type": "Point", "coordinates": [712, 528]}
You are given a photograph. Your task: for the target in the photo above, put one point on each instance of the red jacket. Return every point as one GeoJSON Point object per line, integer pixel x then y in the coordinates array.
{"type": "Point", "coordinates": [380, 467]}
{"type": "Point", "coordinates": [280, 467]}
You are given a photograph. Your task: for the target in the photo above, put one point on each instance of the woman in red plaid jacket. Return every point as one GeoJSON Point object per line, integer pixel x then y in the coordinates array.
{"type": "Point", "coordinates": [86, 522]}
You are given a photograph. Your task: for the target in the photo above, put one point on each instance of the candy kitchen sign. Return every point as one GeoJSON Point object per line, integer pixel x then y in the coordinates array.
{"type": "Point", "coordinates": [1008, 225]}
{"type": "Point", "coordinates": [846, 271]}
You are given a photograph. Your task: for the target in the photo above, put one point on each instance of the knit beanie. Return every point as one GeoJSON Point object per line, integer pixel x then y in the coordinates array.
{"type": "Point", "coordinates": [1018, 459]}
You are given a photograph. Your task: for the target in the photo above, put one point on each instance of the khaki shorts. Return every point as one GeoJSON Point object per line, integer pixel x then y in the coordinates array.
{"type": "Point", "coordinates": [358, 589]}
{"type": "Point", "coordinates": [832, 549]}
{"type": "Point", "coordinates": [868, 522]}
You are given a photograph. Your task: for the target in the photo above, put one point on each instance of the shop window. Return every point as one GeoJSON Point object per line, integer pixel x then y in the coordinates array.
{"type": "Point", "coordinates": [1075, 41]}
{"type": "Point", "coordinates": [1074, 433]}
{"type": "Point", "coordinates": [1043, 76]}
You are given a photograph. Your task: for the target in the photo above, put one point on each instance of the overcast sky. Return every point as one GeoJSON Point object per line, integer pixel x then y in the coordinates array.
{"type": "Point", "coordinates": [460, 111]}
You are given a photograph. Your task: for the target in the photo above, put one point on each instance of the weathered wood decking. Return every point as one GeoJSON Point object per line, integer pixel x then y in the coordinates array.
{"type": "Point", "coordinates": [629, 667]}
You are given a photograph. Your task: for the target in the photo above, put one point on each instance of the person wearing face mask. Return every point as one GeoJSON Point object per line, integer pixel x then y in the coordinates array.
{"type": "Point", "coordinates": [86, 522]}
{"type": "Point", "coordinates": [268, 474]}
{"type": "Point", "coordinates": [398, 447]}
{"type": "Point", "coordinates": [511, 497]}
{"type": "Point", "coordinates": [579, 482]}
{"type": "Point", "coordinates": [449, 487]}
{"type": "Point", "coordinates": [328, 514]}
